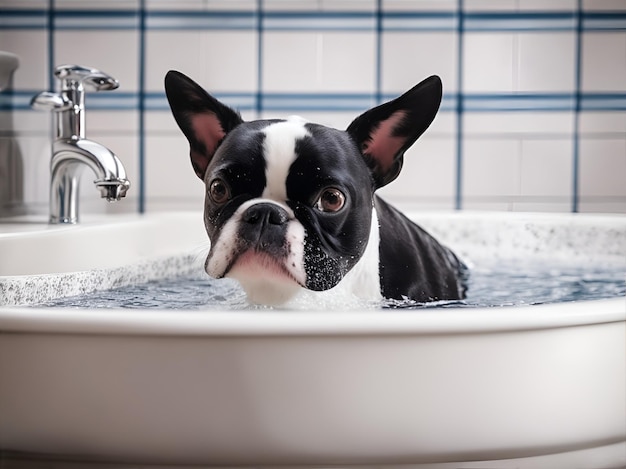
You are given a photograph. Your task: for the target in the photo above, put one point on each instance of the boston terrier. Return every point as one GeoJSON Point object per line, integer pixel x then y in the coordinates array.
{"type": "Point", "coordinates": [291, 204]}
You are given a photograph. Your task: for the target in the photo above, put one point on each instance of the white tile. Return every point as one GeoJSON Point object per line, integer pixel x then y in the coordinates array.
{"type": "Point", "coordinates": [602, 167]}
{"type": "Point", "coordinates": [36, 154]}
{"type": "Point", "coordinates": [517, 124]}
{"type": "Point", "coordinates": [348, 61]}
{"type": "Point", "coordinates": [156, 204]}
{"type": "Point", "coordinates": [96, 4]}
{"type": "Point", "coordinates": [604, 5]}
{"type": "Point", "coordinates": [547, 62]}
{"type": "Point", "coordinates": [612, 122]}
{"type": "Point", "coordinates": [604, 61]}
{"type": "Point", "coordinates": [422, 204]}
{"type": "Point", "coordinates": [546, 169]}
{"type": "Point", "coordinates": [592, 205]}
{"type": "Point", "coordinates": [291, 5]}
{"type": "Point", "coordinates": [177, 5]}
{"type": "Point", "coordinates": [408, 58]}
{"type": "Point", "coordinates": [31, 48]}
{"type": "Point", "coordinates": [27, 122]}
{"type": "Point", "coordinates": [490, 5]}
{"type": "Point", "coordinates": [99, 122]}
{"type": "Point", "coordinates": [25, 4]}
{"type": "Point", "coordinates": [187, 5]}
{"type": "Point", "coordinates": [336, 119]}
{"type": "Point", "coordinates": [160, 122]}
{"type": "Point", "coordinates": [348, 5]}
{"type": "Point", "coordinates": [291, 62]}
{"type": "Point", "coordinates": [428, 172]}
{"type": "Point", "coordinates": [420, 5]}
{"type": "Point", "coordinates": [444, 126]}
{"type": "Point", "coordinates": [488, 62]}
{"type": "Point", "coordinates": [11, 174]}
{"type": "Point", "coordinates": [230, 59]}
{"type": "Point", "coordinates": [318, 62]}
{"type": "Point", "coordinates": [168, 170]}
{"type": "Point", "coordinates": [319, 5]}
{"type": "Point", "coordinates": [491, 168]}
{"type": "Point", "coordinates": [220, 61]}
{"type": "Point", "coordinates": [550, 205]}
{"type": "Point", "coordinates": [551, 5]}
{"type": "Point", "coordinates": [116, 54]}
{"type": "Point", "coordinates": [480, 204]}
{"type": "Point", "coordinates": [163, 53]}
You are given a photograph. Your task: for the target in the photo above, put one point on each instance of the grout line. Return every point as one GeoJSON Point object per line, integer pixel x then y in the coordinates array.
{"type": "Point", "coordinates": [258, 105]}
{"type": "Point", "coordinates": [51, 27]}
{"type": "Point", "coordinates": [458, 197]}
{"type": "Point", "coordinates": [577, 108]}
{"type": "Point", "coordinates": [142, 107]}
{"type": "Point", "coordinates": [378, 58]}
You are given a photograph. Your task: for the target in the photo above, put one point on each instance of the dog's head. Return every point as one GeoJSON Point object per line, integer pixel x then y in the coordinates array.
{"type": "Point", "coordinates": [289, 203]}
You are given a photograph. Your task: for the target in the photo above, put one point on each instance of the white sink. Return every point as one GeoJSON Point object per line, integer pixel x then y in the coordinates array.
{"type": "Point", "coordinates": [28, 248]}
{"type": "Point", "coordinates": [529, 387]}
{"type": "Point", "coordinates": [40, 262]}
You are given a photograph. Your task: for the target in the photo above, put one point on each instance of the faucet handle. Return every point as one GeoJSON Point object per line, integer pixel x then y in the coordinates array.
{"type": "Point", "coordinates": [46, 101]}
{"type": "Point", "coordinates": [73, 75]}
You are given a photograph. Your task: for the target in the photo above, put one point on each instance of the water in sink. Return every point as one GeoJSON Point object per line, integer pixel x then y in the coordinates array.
{"type": "Point", "coordinates": [489, 285]}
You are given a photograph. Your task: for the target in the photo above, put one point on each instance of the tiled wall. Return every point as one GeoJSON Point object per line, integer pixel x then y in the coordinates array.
{"type": "Point", "coordinates": [533, 117]}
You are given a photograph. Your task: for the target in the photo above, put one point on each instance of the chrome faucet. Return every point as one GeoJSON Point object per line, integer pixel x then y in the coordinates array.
{"type": "Point", "coordinates": [70, 148]}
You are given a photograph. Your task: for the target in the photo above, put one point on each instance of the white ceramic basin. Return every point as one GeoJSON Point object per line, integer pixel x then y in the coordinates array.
{"type": "Point", "coordinates": [514, 387]}
{"type": "Point", "coordinates": [34, 247]}
{"type": "Point", "coordinates": [39, 262]}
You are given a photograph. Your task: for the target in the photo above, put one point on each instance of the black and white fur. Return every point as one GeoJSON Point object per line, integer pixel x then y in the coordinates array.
{"type": "Point", "coordinates": [291, 204]}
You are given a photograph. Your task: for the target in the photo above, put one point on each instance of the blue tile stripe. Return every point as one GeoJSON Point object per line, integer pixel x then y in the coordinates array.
{"type": "Point", "coordinates": [319, 21]}
{"type": "Point", "coordinates": [603, 101]}
{"type": "Point", "coordinates": [96, 19]}
{"type": "Point", "coordinates": [23, 19]}
{"type": "Point", "coordinates": [340, 102]}
{"type": "Point", "coordinates": [518, 102]}
{"type": "Point", "coordinates": [420, 21]}
{"type": "Point", "coordinates": [604, 21]}
{"type": "Point", "coordinates": [76, 19]}
{"type": "Point", "coordinates": [317, 101]}
{"type": "Point", "coordinates": [510, 22]}
{"type": "Point", "coordinates": [186, 20]}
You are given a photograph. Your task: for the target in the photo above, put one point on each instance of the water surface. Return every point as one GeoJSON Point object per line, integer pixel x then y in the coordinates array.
{"type": "Point", "coordinates": [504, 284]}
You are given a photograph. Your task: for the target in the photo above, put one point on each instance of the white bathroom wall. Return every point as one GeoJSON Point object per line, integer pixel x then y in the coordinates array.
{"type": "Point", "coordinates": [533, 116]}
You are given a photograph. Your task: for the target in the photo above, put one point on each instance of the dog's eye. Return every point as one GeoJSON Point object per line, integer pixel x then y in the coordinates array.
{"type": "Point", "coordinates": [331, 200]}
{"type": "Point", "coordinates": [219, 191]}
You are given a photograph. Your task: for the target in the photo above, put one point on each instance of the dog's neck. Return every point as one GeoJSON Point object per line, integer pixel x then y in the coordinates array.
{"type": "Point", "coordinates": [363, 281]}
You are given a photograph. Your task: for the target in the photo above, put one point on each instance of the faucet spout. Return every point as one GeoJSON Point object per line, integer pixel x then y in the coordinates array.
{"type": "Point", "coordinates": [71, 150]}
{"type": "Point", "coordinates": [68, 157]}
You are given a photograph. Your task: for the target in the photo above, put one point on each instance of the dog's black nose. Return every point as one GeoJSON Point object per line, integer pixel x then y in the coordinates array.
{"type": "Point", "coordinates": [264, 226]}
{"type": "Point", "coordinates": [265, 213]}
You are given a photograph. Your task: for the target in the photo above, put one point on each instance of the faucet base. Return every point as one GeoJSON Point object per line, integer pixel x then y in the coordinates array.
{"type": "Point", "coordinates": [62, 221]}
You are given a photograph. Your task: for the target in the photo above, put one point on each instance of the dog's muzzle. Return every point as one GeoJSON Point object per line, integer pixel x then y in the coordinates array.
{"type": "Point", "coordinates": [263, 227]}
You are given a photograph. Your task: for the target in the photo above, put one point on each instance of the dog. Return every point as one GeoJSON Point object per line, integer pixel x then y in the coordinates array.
{"type": "Point", "coordinates": [291, 204]}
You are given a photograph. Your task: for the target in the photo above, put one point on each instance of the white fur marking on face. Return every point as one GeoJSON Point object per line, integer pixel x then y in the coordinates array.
{"type": "Point", "coordinates": [279, 151]}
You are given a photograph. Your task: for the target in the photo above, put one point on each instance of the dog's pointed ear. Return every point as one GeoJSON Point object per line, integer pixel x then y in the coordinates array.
{"type": "Point", "coordinates": [385, 132]}
{"type": "Point", "coordinates": [203, 119]}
